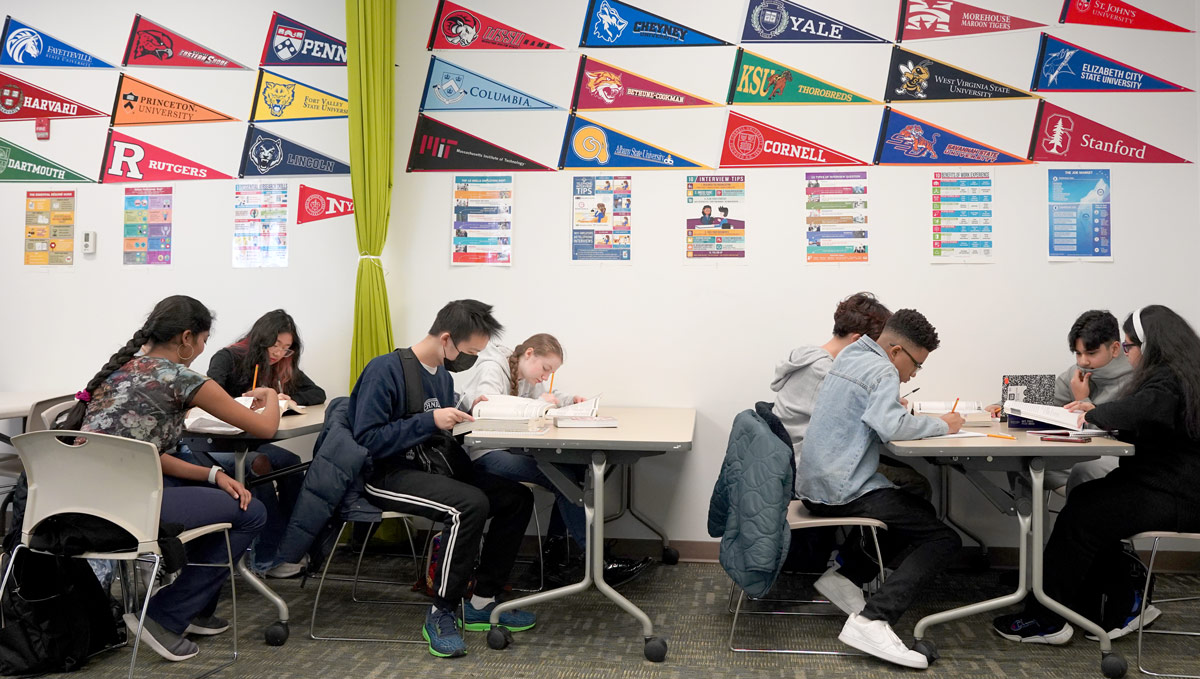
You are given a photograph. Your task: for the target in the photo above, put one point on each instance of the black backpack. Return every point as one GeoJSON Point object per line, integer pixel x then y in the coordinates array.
{"type": "Point", "coordinates": [1119, 577]}
{"type": "Point", "coordinates": [441, 453]}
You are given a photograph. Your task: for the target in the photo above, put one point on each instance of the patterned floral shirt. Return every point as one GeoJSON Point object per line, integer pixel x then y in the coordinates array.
{"type": "Point", "coordinates": [145, 399]}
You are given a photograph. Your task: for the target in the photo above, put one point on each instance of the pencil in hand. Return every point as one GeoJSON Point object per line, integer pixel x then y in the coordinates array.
{"type": "Point", "coordinates": [254, 382]}
{"type": "Point", "coordinates": [955, 407]}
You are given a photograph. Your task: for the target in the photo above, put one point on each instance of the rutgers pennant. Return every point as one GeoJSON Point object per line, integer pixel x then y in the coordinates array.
{"type": "Point", "coordinates": [1065, 137]}
{"type": "Point", "coordinates": [751, 143]}
{"type": "Point", "coordinates": [316, 205]}
{"type": "Point", "coordinates": [130, 160]}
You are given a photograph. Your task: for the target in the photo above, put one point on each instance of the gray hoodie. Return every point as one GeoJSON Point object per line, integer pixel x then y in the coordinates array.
{"type": "Point", "coordinates": [797, 379]}
{"type": "Point", "coordinates": [1105, 385]}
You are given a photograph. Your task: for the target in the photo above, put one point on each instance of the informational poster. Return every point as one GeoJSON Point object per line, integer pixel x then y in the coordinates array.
{"type": "Point", "coordinates": [962, 217]}
{"type": "Point", "coordinates": [482, 225]}
{"type": "Point", "coordinates": [602, 216]}
{"type": "Point", "coordinates": [260, 237]}
{"type": "Point", "coordinates": [1080, 215]}
{"type": "Point", "coordinates": [716, 224]}
{"type": "Point", "coordinates": [49, 228]}
{"type": "Point", "coordinates": [836, 216]}
{"type": "Point", "coordinates": [148, 234]}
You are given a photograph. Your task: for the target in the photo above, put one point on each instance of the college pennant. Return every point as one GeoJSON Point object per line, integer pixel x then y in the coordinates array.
{"type": "Point", "coordinates": [759, 80]}
{"type": "Point", "coordinates": [278, 98]}
{"type": "Point", "coordinates": [130, 160]}
{"type": "Point", "coordinates": [588, 144]}
{"type": "Point", "coordinates": [22, 165]}
{"type": "Point", "coordinates": [905, 140]}
{"type": "Point", "coordinates": [916, 77]}
{"type": "Point", "coordinates": [450, 87]}
{"type": "Point", "coordinates": [20, 100]}
{"type": "Point", "coordinates": [752, 143]}
{"type": "Point", "coordinates": [1114, 13]}
{"type": "Point", "coordinates": [1065, 67]}
{"type": "Point", "coordinates": [270, 154]}
{"type": "Point", "coordinates": [784, 21]}
{"type": "Point", "coordinates": [612, 23]}
{"type": "Point", "coordinates": [291, 43]}
{"type": "Point", "coordinates": [1060, 136]}
{"type": "Point", "coordinates": [25, 45]}
{"type": "Point", "coordinates": [927, 19]}
{"type": "Point", "coordinates": [438, 147]}
{"type": "Point", "coordinates": [316, 205]}
{"type": "Point", "coordinates": [152, 44]}
{"type": "Point", "coordinates": [601, 86]}
{"type": "Point", "coordinates": [140, 103]}
{"type": "Point", "coordinates": [456, 27]}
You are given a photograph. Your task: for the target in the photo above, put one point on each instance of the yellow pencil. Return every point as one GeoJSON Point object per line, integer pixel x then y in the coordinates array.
{"type": "Point", "coordinates": [254, 383]}
{"type": "Point", "coordinates": [1003, 436]}
{"type": "Point", "coordinates": [955, 406]}
{"type": "Point", "coordinates": [551, 389]}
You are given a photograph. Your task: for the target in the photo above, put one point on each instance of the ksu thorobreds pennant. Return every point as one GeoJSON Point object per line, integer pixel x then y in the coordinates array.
{"type": "Point", "coordinates": [916, 77]}
{"type": "Point", "coordinates": [22, 165]}
{"type": "Point", "coordinates": [130, 160]}
{"type": "Point", "coordinates": [140, 103]}
{"type": "Point", "coordinates": [905, 140]}
{"type": "Point", "coordinates": [291, 43]}
{"type": "Point", "coordinates": [20, 100]}
{"type": "Point", "coordinates": [927, 19]}
{"type": "Point", "coordinates": [316, 205]}
{"type": "Point", "coordinates": [438, 147]}
{"type": "Point", "coordinates": [1061, 136]}
{"type": "Point", "coordinates": [612, 23]}
{"type": "Point", "coordinates": [271, 154]}
{"type": "Point", "coordinates": [601, 86]}
{"type": "Point", "coordinates": [759, 80]}
{"type": "Point", "coordinates": [450, 87]}
{"type": "Point", "coordinates": [279, 98]}
{"type": "Point", "coordinates": [752, 143]}
{"type": "Point", "coordinates": [152, 44]}
{"type": "Point", "coordinates": [784, 21]}
{"type": "Point", "coordinates": [1115, 13]}
{"type": "Point", "coordinates": [1065, 67]}
{"type": "Point", "coordinates": [591, 145]}
{"type": "Point", "coordinates": [25, 45]}
{"type": "Point", "coordinates": [458, 28]}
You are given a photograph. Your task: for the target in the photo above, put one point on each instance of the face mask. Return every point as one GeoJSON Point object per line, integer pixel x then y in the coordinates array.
{"type": "Point", "coordinates": [462, 362]}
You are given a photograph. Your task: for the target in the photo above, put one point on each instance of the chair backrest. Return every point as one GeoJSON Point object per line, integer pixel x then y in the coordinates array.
{"type": "Point", "coordinates": [114, 478]}
{"type": "Point", "coordinates": [43, 413]}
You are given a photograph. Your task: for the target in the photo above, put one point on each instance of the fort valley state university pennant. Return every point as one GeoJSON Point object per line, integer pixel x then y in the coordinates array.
{"type": "Point", "coordinates": [450, 87]}
{"type": "Point", "coordinates": [905, 140]}
{"type": "Point", "coordinates": [1065, 67]}
{"type": "Point", "coordinates": [279, 98]}
{"type": "Point", "coordinates": [588, 144]}
{"type": "Point", "coordinates": [1062, 136]}
{"type": "Point", "coordinates": [25, 45]}
{"type": "Point", "coordinates": [140, 103]}
{"type": "Point", "coordinates": [438, 147]}
{"type": "Point", "coordinates": [20, 100]}
{"type": "Point", "coordinates": [752, 143]}
{"type": "Point", "coordinates": [784, 21]}
{"type": "Point", "coordinates": [18, 164]}
{"type": "Point", "coordinates": [601, 86]}
{"type": "Point", "coordinates": [152, 44]}
{"type": "Point", "coordinates": [916, 77]}
{"type": "Point", "coordinates": [291, 43]}
{"type": "Point", "coordinates": [759, 80]}
{"type": "Point", "coordinates": [1116, 13]}
{"type": "Point", "coordinates": [130, 160]}
{"type": "Point", "coordinates": [612, 23]}
{"type": "Point", "coordinates": [927, 19]}
{"type": "Point", "coordinates": [458, 28]}
{"type": "Point", "coordinates": [316, 205]}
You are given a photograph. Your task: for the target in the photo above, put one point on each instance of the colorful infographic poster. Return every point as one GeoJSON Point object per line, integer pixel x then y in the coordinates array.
{"type": "Point", "coordinates": [836, 216]}
{"type": "Point", "coordinates": [962, 217]}
{"type": "Point", "coordinates": [482, 225]}
{"type": "Point", "coordinates": [49, 228]}
{"type": "Point", "coordinates": [716, 223]}
{"type": "Point", "coordinates": [602, 214]}
{"type": "Point", "coordinates": [148, 236]}
{"type": "Point", "coordinates": [260, 237]}
{"type": "Point", "coordinates": [1080, 215]}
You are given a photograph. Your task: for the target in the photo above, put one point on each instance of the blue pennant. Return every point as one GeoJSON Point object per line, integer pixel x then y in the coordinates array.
{"type": "Point", "coordinates": [783, 21]}
{"type": "Point", "coordinates": [612, 23]}
{"type": "Point", "coordinates": [592, 145]}
{"type": "Point", "coordinates": [270, 154]}
{"type": "Point", "coordinates": [904, 140]}
{"type": "Point", "coordinates": [450, 87]}
{"type": "Point", "coordinates": [1064, 67]}
{"type": "Point", "coordinates": [27, 46]}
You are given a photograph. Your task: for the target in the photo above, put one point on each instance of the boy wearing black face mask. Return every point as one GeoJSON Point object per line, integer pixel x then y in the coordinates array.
{"type": "Point", "coordinates": [397, 440]}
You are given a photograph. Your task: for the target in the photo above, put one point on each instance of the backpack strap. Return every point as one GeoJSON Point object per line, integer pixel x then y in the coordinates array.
{"type": "Point", "coordinates": [414, 392]}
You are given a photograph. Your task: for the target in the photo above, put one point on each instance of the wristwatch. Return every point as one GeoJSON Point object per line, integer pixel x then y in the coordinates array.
{"type": "Point", "coordinates": [212, 474]}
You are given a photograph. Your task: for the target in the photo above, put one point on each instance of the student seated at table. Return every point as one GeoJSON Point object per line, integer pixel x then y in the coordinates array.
{"type": "Point", "coordinates": [857, 411]}
{"type": "Point", "coordinates": [402, 437]}
{"type": "Point", "coordinates": [523, 371]}
{"type": "Point", "coordinates": [143, 393]}
{"type": "Point", "coordinates": [1158, 488]}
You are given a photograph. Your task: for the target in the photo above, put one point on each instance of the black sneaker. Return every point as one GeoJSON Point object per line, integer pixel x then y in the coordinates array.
{"type": "Point", "coordinates": [620, 570]}
{"type": "Point", "coordinates": [207, 627]}
{"type": "Point", "coordinates": [169, 645]}
{"type": "Point", "coordinates": [1030, 630]}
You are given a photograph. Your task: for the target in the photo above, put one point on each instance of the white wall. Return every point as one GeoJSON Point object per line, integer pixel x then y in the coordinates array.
{"type": "Point", "coordinates": [665, 332]}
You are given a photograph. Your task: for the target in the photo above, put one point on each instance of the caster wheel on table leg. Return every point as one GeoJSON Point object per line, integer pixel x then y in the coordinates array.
{"type": "Point", "coordinates": [498, 638]}
{"type": "Point", "coordinates": [926, 648]}
{"type": "Point", "coordinates": [1113, 665]}
{"type": "Point", "coordinates": [656, 649]}
{"type": "Point", "coordinates": [670, 556]}
{"type": "Point", "coordinates": [277, 633]}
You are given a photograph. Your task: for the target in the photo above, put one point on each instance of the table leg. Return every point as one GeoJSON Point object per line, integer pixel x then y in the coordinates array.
{"type": "Point", "coordinates": [670, 555]}
{"type": "Point", "coordinates": [277, 632]}
{"type": "Point", "coordinates": [944, 509]}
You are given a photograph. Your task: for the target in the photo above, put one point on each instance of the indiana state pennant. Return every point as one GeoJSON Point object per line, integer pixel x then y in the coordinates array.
{"type": "Point", "coordinates": [456, 27]}
{"type": "Point", "coordinates": [316, 205]}
{"type": "Point", "coordinates": [784, 21]}
{"type": "Point", "coordinates": [1060, 136]}
{"type": "Point", "coordinates": [1065, 67]}
{"type": "Point", "coordinates": [1116, 13]}
{"type": "Point", "coordinates": [449, 87]}
{"type": "Point", "coordinates": [22, 165]}
{"type": "Point", "coordinates": [759, 80]}
{"type": "Point", "coordinates": [25, 45]}
{"type": "Point", "coordinates": [612, 23]}
{"type": "Point", "coordinates": [438, 147]}
{"type": "Point", "coordinates": [916, 77]}
{"type": "Point", "coordinates": [140, 103]}
{"type": "Point", "coordinates": [270, 154]}
{"type": "Point", "coordinates": [927, 19]}
{"type": "Point", "coordinates": [20, 100]}
{"type": "Point", "coordinates": [601, 86]}
{"type": "Point", "coordinates": [905, 140]}
{"type": "Point", "coordinates": [279, 98]}
{"type": "Point", "coordinates": [752, 143]}
{"type": "Point", "coordinates": [592, 145]}
{"type": "Point", "coordinates": [291, 43]}
{"type": "Point", "coordinates": [151, 44]}
{"type": "Point", "coordinates": [130, 160]}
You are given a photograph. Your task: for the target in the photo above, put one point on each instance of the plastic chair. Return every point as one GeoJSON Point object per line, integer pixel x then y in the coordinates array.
{"type": "Point", "coordinates": [537, 524]}
{"type": "Point", "coordinates": [113, 478]}
{"type": "Point", "coordinates": [1156, 536]}
{"type": "Point", "coordinates": [43, 413]}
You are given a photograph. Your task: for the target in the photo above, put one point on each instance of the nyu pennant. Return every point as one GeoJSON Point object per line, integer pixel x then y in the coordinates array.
{"type": "Point", "coordinates": [291, 43]}
{"type": "Point", "coordinates": [456, 27]}
{"type": "Point", "coordinates": [612, 23]}
{"type": "Point", "coordinates": [784, 21]}
{"type": "Point", "coordinates": [280, 98]}
{"type": "Point", "coordinates": [752, 143]}
{"type": "Point", "coordinates": [129, 160]}
{"type": "Point", "coordinates": [926, 19]}
{"type": "Point", "coordinates": [438, 147]}
{"type": "Point", "coordinates": [916, 77]}
{"type": "Point", "coordinates": [24, 45]}
{"type": "Point", "coordinates": [1065, 137]}
{"type": "Point", "coordinates": [140, 103]}
{"type": "Point", "coordinates": [759, 80]}
{"type": "Point", "coordinates": [270, 154]}
{"type": "Point", "coordinates": [151, 44]}
{"type": "Point", "coordinates": [905, 140]}
{"type": "Point", "coordinates": [316, 205]}
{"type": "Point", "coordinates": [452, 87]}
{"type": "Point", "coordinates": [1115, 13]}
{"type": "Point", "coordinates": [1065, 67]}
{"type": "Point", "coordinates": [601, 86]}
{"type": "Point", "coordinates": [22, 165]}
{"type": "Point", "coordinates": [592, 145]}
{"type": "Point", "coordinates": [20, 100]}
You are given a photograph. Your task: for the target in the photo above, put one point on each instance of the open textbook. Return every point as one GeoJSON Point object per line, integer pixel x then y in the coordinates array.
{"type": "Point", "coordinates": [1056, 415]}
{"type": "Point", "coordinates": [501, 412]}
{"type": "Point", "coordinates": [200, 421]}
{"type": "Point", "coordinates": [972, 411]}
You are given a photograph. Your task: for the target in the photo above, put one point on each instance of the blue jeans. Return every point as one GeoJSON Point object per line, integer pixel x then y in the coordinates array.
{"type": "Point", "coordinates": [522, 468]}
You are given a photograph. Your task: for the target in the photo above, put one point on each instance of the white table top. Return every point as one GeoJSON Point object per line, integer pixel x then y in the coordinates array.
{"type": "Point", "coordinates": [290, 426]}
{"type": "Point", "coordinates": [638, 429]}
{"type": "Point", "coordinates": [17, 403]}
{"type": "Point", "coordinates": [1025, 445]}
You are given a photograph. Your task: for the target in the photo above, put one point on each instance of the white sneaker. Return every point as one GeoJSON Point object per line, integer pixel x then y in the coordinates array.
{"type": "Point", "coordinates": [877, 638]}
{"type": "Point", "coordinates": [841, 592]}
{"type": "Point", "coordinates": [1131, 625]}
{"type": "Point", "coordinates": [287, 570]}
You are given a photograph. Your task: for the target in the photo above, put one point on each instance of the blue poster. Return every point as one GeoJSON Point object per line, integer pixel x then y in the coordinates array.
{"type": "Point", "coordinates": [449, 87]}
{"type": "Point", "coordinates": [612, 23]}
{"type": "Point", "coordinates": [905, 140]}
{"type": "Point", "coordinates": [1064, 67]}
{"type": "Point", "coordinates": [270, 154]}
{"type": "Point", "coordinates": [602, 213]}
{"type": "Point", "coordinates": [592, 145]}
{"type": "Point", "coordinates": [291, 43]}
{"type": "Point", "coordinates": [27, 46]}
{"type": "Point", "coordinates": [783, 21]}
{"type": "Point", "coordinates": [1080, 215]}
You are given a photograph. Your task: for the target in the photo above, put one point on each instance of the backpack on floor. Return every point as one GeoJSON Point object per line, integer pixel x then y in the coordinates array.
{"type": "Point", "coordinates": [1119, 579]}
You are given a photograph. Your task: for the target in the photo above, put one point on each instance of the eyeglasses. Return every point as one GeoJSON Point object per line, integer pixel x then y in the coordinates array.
{"type": "Point", "coordinates": [276, 347]}
{"type": "Point", "coordinates": [917, 365]}
{"type": "Point", "coordinates": [1126, 346]}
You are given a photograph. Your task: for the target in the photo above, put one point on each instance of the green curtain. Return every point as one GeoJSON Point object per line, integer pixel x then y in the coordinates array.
{"type": "Point", "coordinates": [370, 57]}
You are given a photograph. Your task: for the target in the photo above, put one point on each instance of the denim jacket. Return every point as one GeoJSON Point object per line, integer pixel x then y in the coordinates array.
{"type": "Point", "coordinates": [858, 410]}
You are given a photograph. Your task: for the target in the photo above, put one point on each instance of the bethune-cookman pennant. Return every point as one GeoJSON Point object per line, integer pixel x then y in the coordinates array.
{"type": "Point", "coordinates": [140, 103]}
{"type": "Point", "coordinates": [601, 86]}
{"type": "Point", "coordinates": [916, 77]}
{"type": "Point", "coordinates": [270, 154]}
{"type": "Point", "coordinates": [784, 21]}
{"type": "Point", "coordinates": [130, 160]}
{"type": "Point", "coordinates": [1065, 67]}
{"type": "Point", "coordinates": [291, 43]}
{"type": "Point", "coordinates": [926, 19]}
{"type": "Point", "coordinates": [759, 80]}
{"type": "Point", "coordinates": [438, 147]}
{"type": "Point", "coordinates": [1114, 13]}
{"type": "Point", "coordinates": [278, 98]}
{"type": "Point", "coordinates": [316, 205]}
{"type": "Point", "coordinates": [905, 140]}
{"type": "Point", "coordinates": [450, 87]}
{"type": "Point", "coordinates": [151, 44]}
{"type": "Point", "coordinates": [22, 165]}
{"type": "Point", "coordinates": [20, 100]}
{"type": "Point", "coordinates": [591, 145]}
{"type": "Point", "coordinates": [1060, 136]}
{"type": "Point", "coordinates": [612, 23]}
{"type": "Point", "coordinates": [752, 143]}
{"type": "Point", "coordinates": [25, 45]}
{"type": "Point", "coordinates": [457, 28]}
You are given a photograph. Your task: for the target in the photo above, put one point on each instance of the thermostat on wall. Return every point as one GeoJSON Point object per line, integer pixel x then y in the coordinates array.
{"type": "Point", "coordinates": [89, 242]}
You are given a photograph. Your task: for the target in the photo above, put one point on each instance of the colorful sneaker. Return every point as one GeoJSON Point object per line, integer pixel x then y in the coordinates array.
{"type": "Point", "coordinates": [1030, 630]}
{"type": "Point", "coordinates": [479, 620]}
{"type": "Point", "coordinates": [441, 631]}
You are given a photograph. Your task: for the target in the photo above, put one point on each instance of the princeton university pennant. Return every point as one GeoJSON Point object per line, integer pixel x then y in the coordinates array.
{"type": "Point", "coordinates": [1065, 67]}
{"type": "Point", "coordinates": [279, 98]}
{"type": "Point", "coordinates": [601, 86]}
{"type": "Point", "coordinates": [591, 145]}
{"type": "Point", "coordinates": [752, 143]}
{"type": "Point", "coordinates": [1115, 13]}
{"type": "Point", "coordinates": [20, 100]}
{"type": "Point", "coordinates": [22, 165]}
{"type": "Point", "coordinates": [759, 80]}
{"type": "Point", "coordinates": [291, 43]}
{"type": "Point", "coordinates": [270, 154]}
{"type": "Point", "coordinates": [457, 28]}
{"type": "Point", "coordinates": [1061, 136]}
{"type": "Point", "coordinates": [612, 23]}
{"type": "Point", "coordinates": [450, 87]}
{"type": "Point", "coordinates": [25, 45]}
{"type": "Point", "coordinates": [916, 77]}
{"type": "Point", "coordinates": [140, 103]}
{"type": "Point", "coordinates": [130, 160]}
{"type": "Point", "coordinates": [438, 147]}
{"type": "Point", "coordinates": [316, 205]}
{"type": "Point", "coordinates": [928, 19]}
{"type": "Point", "coordinates": [151, 44]}
{"type": "Point", "coordinates": [905, 140]}
{"type": "Point", "coordinates": [784, 21]}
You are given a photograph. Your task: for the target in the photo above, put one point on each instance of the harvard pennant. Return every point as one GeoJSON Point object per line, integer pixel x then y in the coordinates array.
{"type": "Point", "coordinates": [280, 98]}
{"type": "Point", "coordinates": [752, 143]}
{"type": "Point", "coordinates": [140, 103]}
{"type": "Point", "coordinates": [784, 21]}
{"type": "Point", "coordinates": [905, 140]}
{"type": "Point", "coordinates": [457, 28]}
{"type": "Point", "coordinates": [316, 205]}
{"type": "Point", "coordinates": [129, 160]}
{"type": "Point", "coordinates": [601, 86]}
{"type": "Point", "coordinates": [927, 19]}
{"type": "Point", "coordinates": [153, 45]}
{"type": "Point", "coordinates": [759, 80]}
{"type": "Point", "coordinates": [439, 147]}
{"type": "Point", "coordinates": [291, 43]}
{"type": "Point", "coordinates": [270, 154]}
{"type": "Point", "coordinates": [1065, 67]}
{"type": "Point", "coordinates": [1116, 13]}
{"type": "Point", "coordinates": [25, 45]}
{"type": "Point", "coordinates": [592, 145]}
{"type": "Point", "coordinates": [450, 87]}
{"type": "Point", "coordinates": [916, 77]}
{"type": "Point", "coordinates": [20, 100]}
{"type": "Point", "coordinates": [612, 23]}
{"type": "Point", "coordinates": [22, 165]}
{"type": "Point", "coordinates": [1060, 136]}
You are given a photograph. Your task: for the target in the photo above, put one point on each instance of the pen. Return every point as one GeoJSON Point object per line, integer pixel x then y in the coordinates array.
{"type": "Point", "coordinates": [911, 392]}
{"type": "Point", "coordinates": [254, 382]}
{"type": "Point", "coordinates": [955, 406]}
{"type": "Point", "coordinates": [1003, 436]}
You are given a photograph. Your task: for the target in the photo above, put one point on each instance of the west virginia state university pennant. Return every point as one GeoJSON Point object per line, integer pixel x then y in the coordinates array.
{"type": "Point", "coordinates": [22, 165]}
{"type": "Point", "coordinates": [1065, 67]}
{"type": "Point", "coordinates": [20, 100]}
{"type": "Point", "coordinates": [279, 98]}
{"type": "Point", "coordinates": [612, 23]}
{"type": "Point", "coordinates": [759, 80]}
{"type": "Point", "coordinates": [140, 103]}
{"type": "Point", "coordinates": [25, 45]}
{"type": "Point", "coordinates": [1060, 136]}
{"type": "Point", "coordinates": [291, 43]}
{"type": "Point", "coordinates": [270, 154]}
{"type": "Point", "coordinates": [916, 77]}
{"type": "Point", "coordinates": [752, 143]}
{"type": "Point", "coordinates": [316, 205]}
{"type": "Point", "coordinates": [601, 86]}
{"type": "Point", "coordinates": [457, 28]}
{"type": "Point", "coordinates": [450, 87]}
{"type": "Point", "coordinates": [591, 145]}
{"type": "Point", "coordinates": [129, 160]}
{"type": "Point", "coordinates": [927, 19]}
{"type": "Point", "coordinates": [784, 21]}
{"type": "Point", "coordinates": [905, 140]}
{"type": "Point", "coordinates": [151, 44]}
{"type": "Point", "coordinates": [439, 147]}
{"type": "Point", "coordinates": [1114, 13]}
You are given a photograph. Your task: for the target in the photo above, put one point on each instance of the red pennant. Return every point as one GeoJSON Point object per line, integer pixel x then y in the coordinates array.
{"type": "Point", "coordinates": [20, 100]}
{"type": "Point", "coordinates": [129, 160]}
{"type": "Point", "coordinates": [601, 86]}
{"type": "Point", "coordinates": [457, 28]}
{"type": "Point", "coordinates": [924, 19]}
{"type": "Point", "coordinates": [151, 44]}
{"type": "Point", "coordinates": [751, 143]}
{"type": "Point", "coordinates": [1065, 137]}
{"type": "Point", "coordinates": [316, 205]}
{"type": "Point", "coordinates": [1114, 13]}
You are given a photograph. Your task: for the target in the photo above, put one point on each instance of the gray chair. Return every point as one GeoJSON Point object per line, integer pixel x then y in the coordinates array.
{"type": "Point", "coordinates": [1156, 536]}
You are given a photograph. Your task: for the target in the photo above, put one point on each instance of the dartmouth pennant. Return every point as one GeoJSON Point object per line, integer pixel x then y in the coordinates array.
{"type": "Point", "coordinates": [601, 86]}
{"type": "Point", "coordinates": [1065, 67]}
{"type": "Point", "coordinates": [20, 100]}
{"type": "Point", "coordinates": [21, 165]}
{"type": "Point", "coordinates": [449, 87]}
{"type": "Point", "coordinates": [752, 143]}
{"type": "Point", "coordinates": [759, 80]}
{"type": "Point", "coordinates": [783, 21]}
{"type": "Point", "coordinates": [1060, 136]}
{"type": "Point", "coordinates": [151, 44]}
{"type": "Point", "coordinates": [612, 23]}
{"type": "Point", "coordinates": [591, 145]}
{"type": "Point", "coordinates": [25, 45]}
{"type": "Point", "coordinates": [438, 147]}
{"type": "Point", "coordinates": [916, 77]}
{"type": "Point", "coordinates": [279, 98]}
{"type": "Point", "coordinates": [1116, 13]}
{"type": "Point", "coordinates": [927, 19]}
{"type": "Point", "coordinates": [291, 43]}
{"type": "Point", "coordinates": [905, 140]}
{"type": "Point", "coordinates": [316, 205]}
{"type": "Point", "coordinates": [140, 103]}
{"type": "Point", "coordinates": [270, 154]}
{"type": "Point", "coordinates": [129, 160]}
{"type": "Point", "coordinates": [456, 27]}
